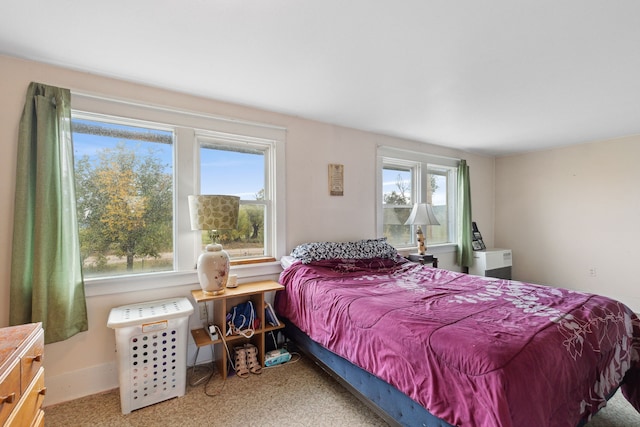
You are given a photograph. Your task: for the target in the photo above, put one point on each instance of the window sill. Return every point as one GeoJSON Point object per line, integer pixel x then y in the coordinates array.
{"type": "Point", "coordinates": [247, 261]}
{"type": "Point", "coordinates": [154, 281]}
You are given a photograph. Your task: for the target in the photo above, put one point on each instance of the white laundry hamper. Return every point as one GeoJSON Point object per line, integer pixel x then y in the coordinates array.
{"type": "Point", "coordinates": [151, 341]}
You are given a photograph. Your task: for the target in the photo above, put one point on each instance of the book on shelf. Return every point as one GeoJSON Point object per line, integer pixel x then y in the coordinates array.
{"type": "Point", "coordinates": [270, 315]}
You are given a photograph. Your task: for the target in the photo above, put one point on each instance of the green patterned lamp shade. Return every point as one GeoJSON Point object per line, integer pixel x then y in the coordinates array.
{"type": "Point", "coordinates": [214, 212]}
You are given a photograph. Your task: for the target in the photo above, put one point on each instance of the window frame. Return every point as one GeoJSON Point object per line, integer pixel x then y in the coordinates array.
{"type": "Point", "coordinates": [413, 168]}
{"type": "Point", "coordinates": [421, 165]}
{"type": "Point", "coordinates": [187, 125]}
{"type": "Point", "coordinates": [267, 147]}
{"type": "Point", "coordinates": [110, 119]}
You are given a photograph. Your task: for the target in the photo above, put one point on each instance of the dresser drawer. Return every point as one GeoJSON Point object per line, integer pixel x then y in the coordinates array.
{"type": "Point", "coordinates": [31, 361]}
{"type": "Point", "coordinates": [28, 409]}
{"type": "Point", "coordinates": [21, 375]}
{"type": "Point", "coordinates": [9, 391]}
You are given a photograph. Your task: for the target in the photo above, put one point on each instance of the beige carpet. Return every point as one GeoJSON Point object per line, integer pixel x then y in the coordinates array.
{"type": "Point", "coordinates": [294, 394]}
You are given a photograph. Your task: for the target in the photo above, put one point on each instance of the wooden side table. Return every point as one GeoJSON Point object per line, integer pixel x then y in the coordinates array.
{"type": "Point", "coordinates": [424, 259]}
{"type": "Point", "coordinates": [253, 292]}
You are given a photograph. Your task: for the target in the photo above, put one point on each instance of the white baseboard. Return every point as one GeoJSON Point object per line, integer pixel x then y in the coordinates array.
{"type": "Point", "coordinates": [98, 379]}
{"type": "Point", "coordinates": [80, 383]}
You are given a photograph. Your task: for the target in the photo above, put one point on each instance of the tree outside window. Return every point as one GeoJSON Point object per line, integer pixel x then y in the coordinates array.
{"type": "Point", "coordinates": [124, 190]}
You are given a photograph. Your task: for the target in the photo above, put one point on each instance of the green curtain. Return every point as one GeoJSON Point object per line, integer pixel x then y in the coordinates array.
{"type": "Point", "coordinates": [465, 250]}
{"type": "Point", "coordinates": [46, 275]}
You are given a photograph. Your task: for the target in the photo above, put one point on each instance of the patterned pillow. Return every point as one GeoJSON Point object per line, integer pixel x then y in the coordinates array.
{"type": "Point", "coordinates": [361, 249]}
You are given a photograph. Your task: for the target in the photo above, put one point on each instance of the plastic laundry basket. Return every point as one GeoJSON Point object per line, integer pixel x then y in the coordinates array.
{"type": "Point", "coordinates": [151, 341]}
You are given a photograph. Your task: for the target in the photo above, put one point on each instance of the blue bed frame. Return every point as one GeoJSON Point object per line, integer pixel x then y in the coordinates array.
{"type": "Point", "coordinates": [392, 405]}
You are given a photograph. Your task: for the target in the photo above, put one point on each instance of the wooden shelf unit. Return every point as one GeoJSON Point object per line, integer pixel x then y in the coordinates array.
{"type": "Point", "coordinates": [222, 304]}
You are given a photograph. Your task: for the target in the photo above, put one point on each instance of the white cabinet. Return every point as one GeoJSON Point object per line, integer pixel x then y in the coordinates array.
{"type": "Point", "coordinates": [492, 262]}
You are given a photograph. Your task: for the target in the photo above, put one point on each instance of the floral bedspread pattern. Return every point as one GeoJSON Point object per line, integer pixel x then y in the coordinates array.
{"type": "Point", "coordinates": [473, 351]}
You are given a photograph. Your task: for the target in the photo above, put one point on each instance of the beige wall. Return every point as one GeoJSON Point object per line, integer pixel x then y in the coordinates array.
{"type": "Point", "coordinates": [86, 363]}
{"type": "Point", "coordinates": [567, 211]}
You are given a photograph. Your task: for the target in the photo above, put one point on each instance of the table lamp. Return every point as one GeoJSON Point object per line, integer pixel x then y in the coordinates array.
{"type": "Point", "coordinates": [213, 213]}
{"type": "Point", "coordinates": [421, 214]}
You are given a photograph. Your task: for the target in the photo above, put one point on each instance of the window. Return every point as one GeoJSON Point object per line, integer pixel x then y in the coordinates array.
{"type": "Point", "coordinates": [407, 178]}
{"type": "Point", "coordinates": [124, 195]}
{"type": "Point", "coordinates": [238, 168]}
{"type": "Point", "coordinates": [136, 166]}
{"type": "Point", "coordinates": [397, 201]}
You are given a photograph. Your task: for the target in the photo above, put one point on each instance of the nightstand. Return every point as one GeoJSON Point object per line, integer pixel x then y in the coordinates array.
{"type": "Point", "coordinates": [222, 303]}
{"type": "Point", "coordinates": [424, 259]}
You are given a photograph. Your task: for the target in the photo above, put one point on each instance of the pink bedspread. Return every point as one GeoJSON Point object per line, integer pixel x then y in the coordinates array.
{"type": "Point", "coordinates": [473, 351]}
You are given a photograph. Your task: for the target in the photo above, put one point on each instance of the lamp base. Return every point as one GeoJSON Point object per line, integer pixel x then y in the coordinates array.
{"type": "Point", "coordinates": [213, 270]}
{"type": "Point", "coordinates": [422, 248]}
{"type": "Point", "coordinates": [213, 293]}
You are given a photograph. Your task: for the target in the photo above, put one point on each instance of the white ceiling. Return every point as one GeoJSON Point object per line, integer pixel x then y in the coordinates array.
{"type": "Point", "coordinates": [494, 76]}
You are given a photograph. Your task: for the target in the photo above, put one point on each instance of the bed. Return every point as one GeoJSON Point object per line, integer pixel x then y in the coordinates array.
{"type": "Point", "coordinates": [427, 346]}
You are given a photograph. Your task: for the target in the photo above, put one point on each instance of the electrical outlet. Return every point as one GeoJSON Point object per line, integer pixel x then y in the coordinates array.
{"type": "Point", "coordinates": [203, 311]}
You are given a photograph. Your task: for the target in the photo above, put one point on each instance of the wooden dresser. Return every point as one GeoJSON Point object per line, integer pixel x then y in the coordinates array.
{"type": "Point", "coordinates": [22, 375]}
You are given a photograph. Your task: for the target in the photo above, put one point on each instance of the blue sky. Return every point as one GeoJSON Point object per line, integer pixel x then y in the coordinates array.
{"type": "Point", "coordinates": [228, 172]}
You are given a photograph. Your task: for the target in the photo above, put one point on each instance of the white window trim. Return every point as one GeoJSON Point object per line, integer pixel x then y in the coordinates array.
{"type": "Point", "coordinates": [415, 160]}
{"type": "Point", "coordinates": [186, 249]}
